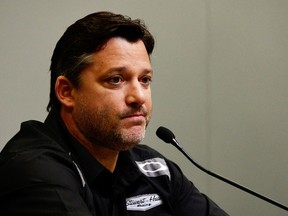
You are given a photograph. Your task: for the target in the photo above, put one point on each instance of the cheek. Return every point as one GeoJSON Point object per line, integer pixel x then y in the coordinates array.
{"type": "Point", "coordinates": [111, 102]}
{"type": "Point", "coordinates": [149, 100]}
{"type": "Point", "coordinates": [114, 98]}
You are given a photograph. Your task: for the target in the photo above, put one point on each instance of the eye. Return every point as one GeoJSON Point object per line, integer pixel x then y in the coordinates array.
{"type": "Point", "coordinates": [115, 80]}
{"type": "Point", "coordinates": [146, 80]}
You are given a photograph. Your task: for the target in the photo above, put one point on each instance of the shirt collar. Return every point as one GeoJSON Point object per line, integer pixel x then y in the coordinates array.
{"type": "Point", "coordinates": [90, 167]}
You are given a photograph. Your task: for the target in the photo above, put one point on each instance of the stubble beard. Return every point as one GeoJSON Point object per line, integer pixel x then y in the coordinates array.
{"type": "Point", "coordinates": [99, 129]}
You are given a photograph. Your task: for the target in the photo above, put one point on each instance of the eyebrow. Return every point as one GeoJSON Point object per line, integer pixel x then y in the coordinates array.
{"type": "Point", "coordinates": [123, 69]}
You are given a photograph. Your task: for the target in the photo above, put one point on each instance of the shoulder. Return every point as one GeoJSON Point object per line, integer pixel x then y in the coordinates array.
{"type": "Point", "coordinates": [36, 169]}
{"type": "Point", "coordinates": [33, 156]}
{"type": "Point", "coordinates": [33, 138]}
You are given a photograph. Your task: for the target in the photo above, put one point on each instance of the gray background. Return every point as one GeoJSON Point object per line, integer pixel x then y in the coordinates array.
{"type": "Point", "coordinates": [220, 84]}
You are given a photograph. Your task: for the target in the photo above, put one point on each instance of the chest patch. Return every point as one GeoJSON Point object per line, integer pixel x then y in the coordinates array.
{"type": "Point", "coordinates": [153, 167]}
{"type": "Point", "coordinates": [143, 202]}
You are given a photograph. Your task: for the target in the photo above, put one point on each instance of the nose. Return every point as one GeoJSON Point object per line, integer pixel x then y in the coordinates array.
{"type": "Point", "coordinates": [136, 94]}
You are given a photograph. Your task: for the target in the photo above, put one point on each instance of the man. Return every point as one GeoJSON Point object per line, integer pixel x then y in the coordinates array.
{"type": "Point", "coordinates": [85, 159]}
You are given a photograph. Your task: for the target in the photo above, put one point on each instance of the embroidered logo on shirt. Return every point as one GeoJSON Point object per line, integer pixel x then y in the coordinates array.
{"type": "Point", "coordinates": [154, 167]}
{"type": "Point", "coordinates": [143, 202]}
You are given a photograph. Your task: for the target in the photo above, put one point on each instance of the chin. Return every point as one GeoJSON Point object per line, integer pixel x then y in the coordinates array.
{"type": "Point", "coordinates": [130, 140]}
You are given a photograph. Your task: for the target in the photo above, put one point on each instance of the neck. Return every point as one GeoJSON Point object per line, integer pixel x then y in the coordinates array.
{"type": "Point", "coordinates": [107, 157]}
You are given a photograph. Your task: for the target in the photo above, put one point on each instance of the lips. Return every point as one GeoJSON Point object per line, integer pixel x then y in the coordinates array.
{"type": "Point", "coordinates": [136, 115]}
{"type": "Point", "coordinates": [141, 113]}
{"type": "Point", "coordinates": [138, 118]}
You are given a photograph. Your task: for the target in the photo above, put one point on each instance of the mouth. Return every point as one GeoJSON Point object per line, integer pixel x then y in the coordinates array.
{"type": "Point", "coordinates": [138, 118]}
{"type": "Point", "coordinates": [136, 113]}
{"type": "Point", "coordinates": [135, 117]}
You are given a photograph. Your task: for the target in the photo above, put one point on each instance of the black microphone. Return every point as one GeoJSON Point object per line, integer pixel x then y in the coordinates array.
{"type": "Point", "coordinates": [167, 136]}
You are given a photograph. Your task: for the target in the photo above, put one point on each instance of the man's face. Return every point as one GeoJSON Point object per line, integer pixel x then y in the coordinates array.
{"type": "Point", "coordinates": [113, 101]}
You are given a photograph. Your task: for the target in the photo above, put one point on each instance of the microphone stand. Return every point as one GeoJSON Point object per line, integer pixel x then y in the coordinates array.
{"type": "Point", "coordinates": [180, 148]}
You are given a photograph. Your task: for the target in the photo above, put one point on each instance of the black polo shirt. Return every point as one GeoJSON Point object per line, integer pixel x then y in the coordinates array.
{"type": "Point", "coordinates": [45, 171]}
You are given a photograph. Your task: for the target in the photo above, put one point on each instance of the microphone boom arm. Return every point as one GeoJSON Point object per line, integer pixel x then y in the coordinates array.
{"type": "Point", "coordinates": [180, 148]}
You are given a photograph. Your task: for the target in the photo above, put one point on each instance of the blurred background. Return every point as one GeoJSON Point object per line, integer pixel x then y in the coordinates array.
{"type": "Point", "coordinates": [220, 84]}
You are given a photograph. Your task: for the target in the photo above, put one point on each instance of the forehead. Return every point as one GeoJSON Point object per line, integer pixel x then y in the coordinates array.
{"type": "Point", "coordinates": [120, 52]}
{"type": "Point", "coordinates": [119, 56]}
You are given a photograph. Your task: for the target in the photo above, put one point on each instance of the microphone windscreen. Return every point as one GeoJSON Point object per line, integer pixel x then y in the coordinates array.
{"type": "Point", "coordinates": [165, 134]}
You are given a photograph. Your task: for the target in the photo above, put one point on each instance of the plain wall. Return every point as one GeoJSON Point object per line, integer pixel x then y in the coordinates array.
{"type": "Point", "coordinates": [220, 83]}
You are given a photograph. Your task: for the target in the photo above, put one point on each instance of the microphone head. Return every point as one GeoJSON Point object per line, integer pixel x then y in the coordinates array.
{"type": "Point", "coordinates": [165, 134]}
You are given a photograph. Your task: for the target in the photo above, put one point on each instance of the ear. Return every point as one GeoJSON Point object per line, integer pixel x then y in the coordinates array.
{"type": "Point", "coordinates": [63, 91]}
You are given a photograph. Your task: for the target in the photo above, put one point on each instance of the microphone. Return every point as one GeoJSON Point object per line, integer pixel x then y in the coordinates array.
{"type": "Point", "coordinates": [167, 136]}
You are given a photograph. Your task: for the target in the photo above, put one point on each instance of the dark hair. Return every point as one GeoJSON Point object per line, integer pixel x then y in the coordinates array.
{"type": "Point", "coordinates": [86, 36]}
